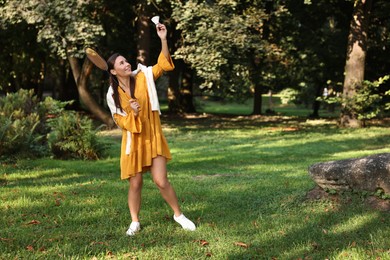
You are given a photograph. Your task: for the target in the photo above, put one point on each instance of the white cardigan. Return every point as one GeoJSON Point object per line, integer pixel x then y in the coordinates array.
{"type": "Point", "coordinates": [153, 98]}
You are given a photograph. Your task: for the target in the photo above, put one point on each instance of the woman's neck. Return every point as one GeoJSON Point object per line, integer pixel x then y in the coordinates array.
{"type": "Point", "coordinates": [124, 83]}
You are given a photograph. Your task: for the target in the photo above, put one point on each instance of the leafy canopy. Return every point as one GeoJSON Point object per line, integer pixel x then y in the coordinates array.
{"type": "Point", "coordinates": [65, 26]}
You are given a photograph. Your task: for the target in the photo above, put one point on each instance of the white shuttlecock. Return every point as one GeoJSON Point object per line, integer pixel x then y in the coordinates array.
{"type": "Point", "coordinates": [156, 19]}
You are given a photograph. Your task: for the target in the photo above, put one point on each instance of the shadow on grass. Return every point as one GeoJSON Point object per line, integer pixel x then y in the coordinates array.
{"type": "Point", "coordinates": [319, 237]}
{"type": "Point", "coordinates": [226, 121]}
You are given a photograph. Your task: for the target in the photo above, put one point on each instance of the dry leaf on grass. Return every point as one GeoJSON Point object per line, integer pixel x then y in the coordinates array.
{"type": "Point", "coordinates": [34, 222]}
{"type": "Point", "coordinates": [241, 244]}
{"type": "Point", "coordinates": [202, 242]}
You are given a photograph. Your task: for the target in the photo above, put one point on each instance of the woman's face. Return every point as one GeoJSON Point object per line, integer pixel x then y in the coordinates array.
{"type": "Point", "coordinates": [121, 67]}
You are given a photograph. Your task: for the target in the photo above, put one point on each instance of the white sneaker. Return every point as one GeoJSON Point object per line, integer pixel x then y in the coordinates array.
{"type": "Point", "coordinates": [133, 228]}
{"type": "Point", "coordinates": [185, 222]}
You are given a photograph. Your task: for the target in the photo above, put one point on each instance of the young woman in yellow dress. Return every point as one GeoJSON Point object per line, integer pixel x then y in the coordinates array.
{"type": "Point", "coordinates": [132, 99]}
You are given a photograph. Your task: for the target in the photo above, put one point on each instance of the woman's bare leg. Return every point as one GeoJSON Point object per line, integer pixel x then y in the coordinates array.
{"type": "Point", "coordinates": [160, 178]}
{"type": "Point", "coordinates": [134, 196]}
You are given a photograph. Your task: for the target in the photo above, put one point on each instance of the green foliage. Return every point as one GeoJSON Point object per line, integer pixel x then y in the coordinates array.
{"type": "Point", "coordinates": [288, 95]}
{"type": "Point", "coordinates": [65, 26]}
{"type": "Point", "coordinates": [367, 102]}
{"type": "Point", "coordinates": [72, 136]}
{"type": "Point", "coordinates": [223, 40]}
{"type": "Point", "coordinates": [380, 193]}
{"type": "Point", "coordinates": [26, 123]}
{"type": "Point", "coordinates": [21, 128]}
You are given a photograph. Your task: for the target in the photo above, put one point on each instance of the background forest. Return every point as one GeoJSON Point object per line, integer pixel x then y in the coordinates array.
{"type": "Point", "coordinates": [226, 49]}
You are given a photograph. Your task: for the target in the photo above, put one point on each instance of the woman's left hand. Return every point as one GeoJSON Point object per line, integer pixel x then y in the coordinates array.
{"type": "Point", "coordinates": [161, 31]}
{"type": "Point", "coordinates": [135, 106]}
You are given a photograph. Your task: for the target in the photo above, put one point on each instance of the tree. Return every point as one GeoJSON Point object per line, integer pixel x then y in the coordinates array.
{"type": "Point", "coordinates": [355, 62]}
{"type": "Point", "coordinates": [18, 53]}
{"type": "Point", "coordinates": [65, 28]}
{"type": "Point", "coordinates": [319, 29]}
{"type": "Point", "coordinates": [224, 42]}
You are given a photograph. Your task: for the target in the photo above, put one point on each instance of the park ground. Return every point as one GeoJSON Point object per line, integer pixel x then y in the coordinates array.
{"type": "Point", "coordinates": [242, 179]}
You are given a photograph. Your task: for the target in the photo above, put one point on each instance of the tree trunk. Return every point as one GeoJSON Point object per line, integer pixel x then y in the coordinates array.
{"type": "Point", "coordinates": [256, 64]}
{"type": "Point", "coordinates": [256, 82]}
{"type": "Point", "coordinates": [257, 101]}
{"type": "Point", "coordinates": [316, 103]}
{"type": "Point", "coordinates": [81, 77]}
{"type": "Point", "coordinates": [173, 89]}
{"type": "Point", "coordinates": [186, 97]}
{"type": "Point", "coordinates": [356, 55]}
{"type": "Point", "coordinates": [143, 38]}
{"type": "Point", "coordinates": [180, 99]}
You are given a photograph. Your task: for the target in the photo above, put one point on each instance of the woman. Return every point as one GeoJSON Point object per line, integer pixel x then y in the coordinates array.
{"type": "Point", "coordinates": [134, 105]}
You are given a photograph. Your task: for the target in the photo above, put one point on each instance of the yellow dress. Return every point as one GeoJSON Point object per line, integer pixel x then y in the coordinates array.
{"type": "Point", "coordinates": [147, 139]}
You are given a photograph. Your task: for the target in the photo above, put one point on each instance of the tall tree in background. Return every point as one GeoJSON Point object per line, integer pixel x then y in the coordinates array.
{"type": "Point", "coordinates": [18, 53]}
{"type": "Point", "coordinates": [224, 43]}
{"type": "Point", "coordinates": [180, 90]}
{"type": "Point", "coordinates": [180, 80]}
{"type": "Point", "coordinates": [355, 63]}
{"type": "Point", "coordinates": [143, 11]}
{"type": "Point", "coordinates": [65, 27]}
{"type": "Point", "coordinates": [319, 31]}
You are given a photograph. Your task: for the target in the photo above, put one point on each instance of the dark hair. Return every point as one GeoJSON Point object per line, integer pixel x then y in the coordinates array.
{"type": "Point", "coordinates": [115, 83]}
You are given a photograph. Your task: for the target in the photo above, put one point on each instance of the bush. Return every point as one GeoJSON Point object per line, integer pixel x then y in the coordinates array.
{"type": "Point", "coordinates": [73, 136]}
{"type": "Point", "coordinates": [368, 102]}
{"type": "Point", "coordinates": [21, 128]}
{"type": "Point", "coordinates": [288, 96]}
{"type": "Point", "coordinates": [29, 127]}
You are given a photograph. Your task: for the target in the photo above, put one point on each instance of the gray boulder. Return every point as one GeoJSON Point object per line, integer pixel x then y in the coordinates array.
{"type": "Point", "coordinates": [368, 173]}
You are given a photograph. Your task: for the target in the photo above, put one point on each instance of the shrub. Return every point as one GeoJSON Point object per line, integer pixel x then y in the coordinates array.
{"type": "Point", "coordinates": [288, 96]}
{"type": "Point", "coordinates": [73, 136]}
{"type": "Point", "coordinates": [368, 101]}
{"type": "Point", "coordinates": [29, 127]}
{"type": "Point", "coordinates": [21, 128]}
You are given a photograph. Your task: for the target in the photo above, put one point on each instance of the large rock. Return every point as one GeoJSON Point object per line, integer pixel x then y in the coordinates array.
{"type": "Point", "coordinates": [362, 174]}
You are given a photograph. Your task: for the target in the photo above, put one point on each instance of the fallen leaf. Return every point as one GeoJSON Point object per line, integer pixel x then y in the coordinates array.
{"type": "Point", "coordinates": [30, 248]}
{"type": "Point", "coordinates": [208, 254]}
{"type": "Point", "coordinates": [202, 242]}
{"type": "Point", "coordinates": [58, 202]}
{"type": "Point", "coordinates": [33, 222]}
{"type": "Point", "coordinates": [241, 244]}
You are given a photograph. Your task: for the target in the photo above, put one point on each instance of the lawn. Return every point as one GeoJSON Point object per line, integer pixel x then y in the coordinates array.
{"type": "Point", "coordinates": [242, 179]}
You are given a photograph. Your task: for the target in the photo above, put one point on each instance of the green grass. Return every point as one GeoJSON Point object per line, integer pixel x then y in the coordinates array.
{"type": "Point", "coordinates": [243, 180]}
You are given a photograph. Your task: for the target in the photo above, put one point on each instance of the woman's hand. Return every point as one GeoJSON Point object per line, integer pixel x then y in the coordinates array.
{"type": "Point", "coordinates": [135, 106]}
{"type": "Point", "coordinates": [161, 31]}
